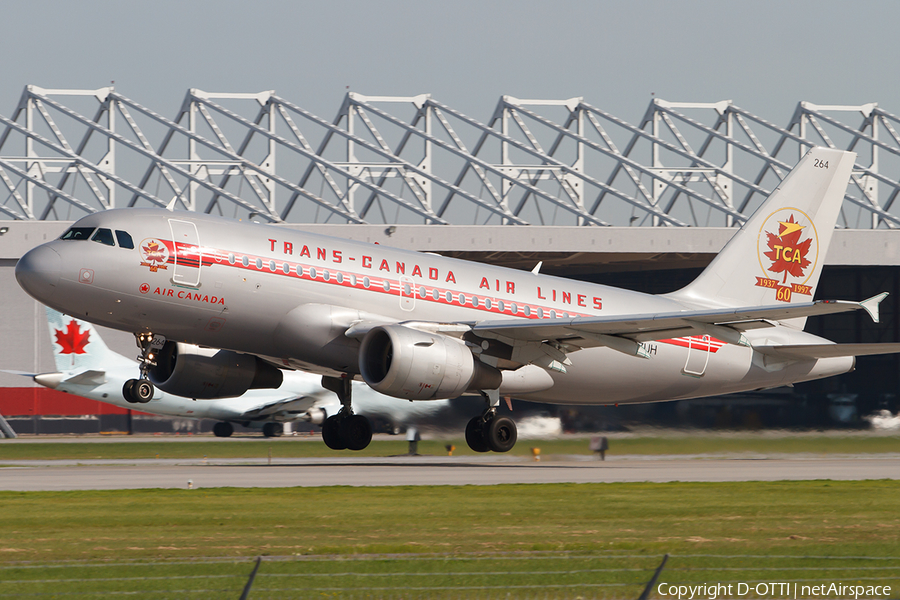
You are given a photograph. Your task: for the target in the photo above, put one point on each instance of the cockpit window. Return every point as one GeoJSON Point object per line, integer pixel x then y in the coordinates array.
{"type": "Point", "coordinates": [78, 233]}
{"type": "Point", "coordinates": [104, 236]}
{"type": "Point", "coordinates": [125, 240]}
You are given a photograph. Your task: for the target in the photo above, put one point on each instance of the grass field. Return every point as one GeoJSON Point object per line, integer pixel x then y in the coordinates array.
{"type": "Point", "coordinates": [296, 447]}
{"type": "Point", "coordinates": [506, 541]}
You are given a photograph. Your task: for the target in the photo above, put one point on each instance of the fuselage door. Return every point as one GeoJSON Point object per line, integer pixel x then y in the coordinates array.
{"type": "Point", "coordinates": [407, 293]}
{"type": "Point", "coordinates": [698, 356]}
{"type": "Point", "coordinates": [188, 256]}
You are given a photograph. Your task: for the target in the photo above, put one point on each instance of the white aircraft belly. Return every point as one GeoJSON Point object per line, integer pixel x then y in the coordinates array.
{"type": "Point", "coordinates": [604, 376]}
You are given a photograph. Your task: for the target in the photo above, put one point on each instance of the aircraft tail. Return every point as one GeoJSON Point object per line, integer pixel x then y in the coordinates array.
{"type": "Point", "coordinates": [777, 256]}
{"type": "Point", "coordinates": [77, 345]}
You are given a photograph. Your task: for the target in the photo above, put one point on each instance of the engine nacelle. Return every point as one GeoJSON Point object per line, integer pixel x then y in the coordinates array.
{"type": "Point", "coordinates": [417, 365]}
{"type": "Point", "coordinates": [205, 373]}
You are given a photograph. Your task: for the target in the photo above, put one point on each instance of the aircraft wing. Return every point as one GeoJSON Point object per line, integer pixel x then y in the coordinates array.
{"type": "Point", "coordinates": [295, 406]}
{"type": "Point", "coordinates": [15, 372]}
{"type": "Point", "coordinates": [625, 332]}
{"type": "Point", "coordinates": [828, 350]}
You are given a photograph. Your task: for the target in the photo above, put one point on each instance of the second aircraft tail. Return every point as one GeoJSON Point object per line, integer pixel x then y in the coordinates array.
{"type": "Point", "coordinates": [77, 345]}
{"type": "Point", "coordinates": [777, 256]}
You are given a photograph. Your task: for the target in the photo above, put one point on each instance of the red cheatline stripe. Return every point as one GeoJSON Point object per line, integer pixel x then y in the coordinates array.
{"type": "Point", "coordinates": [711, 345]}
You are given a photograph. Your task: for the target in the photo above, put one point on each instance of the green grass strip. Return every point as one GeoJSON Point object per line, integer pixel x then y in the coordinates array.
{"type": "Point", "coordinates": [548, 540]}
{"type": "Point", "coordinates": [300, 447]}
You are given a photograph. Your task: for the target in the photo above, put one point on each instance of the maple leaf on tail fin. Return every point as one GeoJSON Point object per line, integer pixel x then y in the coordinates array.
{"type": "Point", "coordinates": [786, 251]}
{"type": "Point", "coordinates": [73, 340]}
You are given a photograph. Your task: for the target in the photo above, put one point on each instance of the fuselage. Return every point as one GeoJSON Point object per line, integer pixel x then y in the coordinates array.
{"type": "Point", "coordinates": [228, 284]}
{"type": "Point", "coordinates": [294, 400]}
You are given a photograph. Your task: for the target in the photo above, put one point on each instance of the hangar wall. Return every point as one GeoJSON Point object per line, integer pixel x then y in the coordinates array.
{"type": "Point", "coordinates": [593, 196]}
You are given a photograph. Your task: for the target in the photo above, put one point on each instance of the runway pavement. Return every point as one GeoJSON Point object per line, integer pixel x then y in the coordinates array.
{"type": "Point", "coordinates": [433, 470]}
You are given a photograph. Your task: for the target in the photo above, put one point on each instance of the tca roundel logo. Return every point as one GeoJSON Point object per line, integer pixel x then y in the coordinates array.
{"type": "Point", "coordinates": [788, 251]}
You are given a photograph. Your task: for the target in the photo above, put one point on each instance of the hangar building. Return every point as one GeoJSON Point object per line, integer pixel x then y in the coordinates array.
{"type": "Point", "coordinates": [593, 196]}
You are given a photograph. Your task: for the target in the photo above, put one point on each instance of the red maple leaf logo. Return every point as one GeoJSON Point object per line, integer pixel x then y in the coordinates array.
{"type": "Point", "coordinates": [73, 340]}
{"type": "Point", "coordinates": [786, 251]}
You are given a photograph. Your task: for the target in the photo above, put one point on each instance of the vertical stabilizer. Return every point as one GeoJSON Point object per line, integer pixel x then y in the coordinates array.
{"type": "Point", "coordinates": [777, 256]}
{"type": "Point", "coordinates": [77, 345]}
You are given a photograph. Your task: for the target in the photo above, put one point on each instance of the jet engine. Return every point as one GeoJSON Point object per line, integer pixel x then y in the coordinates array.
{"type": "Point", "coordinates": [205, 373]}
{"type": "Point", "coordinates": [417, 365]}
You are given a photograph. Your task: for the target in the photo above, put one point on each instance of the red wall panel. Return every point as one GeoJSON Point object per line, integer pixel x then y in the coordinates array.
{"type": "Point", "coordinates": [16, 402]}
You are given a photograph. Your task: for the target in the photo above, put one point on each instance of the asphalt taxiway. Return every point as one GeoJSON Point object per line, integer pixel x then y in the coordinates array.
{"type": "Point", "coordinates": [433, 470]}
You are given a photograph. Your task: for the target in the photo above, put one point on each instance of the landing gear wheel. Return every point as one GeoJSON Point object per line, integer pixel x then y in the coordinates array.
{"type": "Point", "coordinates": [500, 434]}
{"type": "Point", "coordinates": [272, 429]}
{"type": "Point", "coordinates": [223, 429]}
{"type": "Point", "coordinates": [475, 435]}
{"type": "Point", "coordinates": [128, 391]}
{"type": "Point", "coordinates": [331, 433]}
{"type": "Point", "coordinates": [356, 432]}
{"type": "Point", "coordinates": [142, 390]}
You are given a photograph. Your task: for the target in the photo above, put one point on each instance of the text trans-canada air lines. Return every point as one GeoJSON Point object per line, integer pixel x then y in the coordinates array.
{"type": "Point", "coordinates": [423, 327]}
{"type": "Point", "coordinates": [372, 274]}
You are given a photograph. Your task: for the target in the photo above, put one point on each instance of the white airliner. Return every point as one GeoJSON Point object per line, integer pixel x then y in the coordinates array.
{"type": "Point", "coordinates": [423, 327]}
{"type": "Point", "coordinates": [87, 367]}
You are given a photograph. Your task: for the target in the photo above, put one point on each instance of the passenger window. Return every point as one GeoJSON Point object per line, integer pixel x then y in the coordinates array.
{"type": "Point", "coordinates": [124, 239]}
{"type": "Point", "coordinates": [105, 237]}
{"type": "Point", "coordinates": [78, 233]}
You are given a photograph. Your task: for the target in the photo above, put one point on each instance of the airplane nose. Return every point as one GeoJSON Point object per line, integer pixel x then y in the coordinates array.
{"type": "Point", "coordinates": [38, 272]}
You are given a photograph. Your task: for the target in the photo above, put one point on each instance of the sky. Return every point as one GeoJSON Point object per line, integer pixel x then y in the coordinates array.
{"type": "Point", "coordinates": [765, 55]}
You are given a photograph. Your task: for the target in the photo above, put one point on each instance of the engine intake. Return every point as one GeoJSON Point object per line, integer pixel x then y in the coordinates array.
{"type": "Point", "coordinates": [205, 373]}
{"type": "Point", "coordinates": [417, 365]}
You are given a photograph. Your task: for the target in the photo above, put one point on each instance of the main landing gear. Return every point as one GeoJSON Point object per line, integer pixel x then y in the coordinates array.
{"type": "Point", "coordinates": [344, 430]}
{"type": "Point", "coordinates": [140, 391]}
{"type": "Point", "coordinates": [272, 429]}
{"type": "Point", "coordinates": [223, 429]}
{"type": "Point", "coordinates": [489, 431]}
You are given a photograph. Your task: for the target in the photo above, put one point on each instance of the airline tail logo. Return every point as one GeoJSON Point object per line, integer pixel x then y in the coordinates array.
{"type": "Point", "coordinates": [73, 340]}
{"type": "Point", "coordinates": [788, 250]}
{"type": "Point", "coordinates": [155, 254]}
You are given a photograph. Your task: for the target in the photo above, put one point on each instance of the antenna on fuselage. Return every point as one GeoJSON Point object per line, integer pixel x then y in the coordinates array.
{"type": "Point", "coordinates": [537, 268]}
{"type": "Point", "coordinates": [171, 205]}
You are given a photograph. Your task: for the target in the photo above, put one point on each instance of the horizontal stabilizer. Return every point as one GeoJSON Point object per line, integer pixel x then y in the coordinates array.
{"type": "Point", "coordinates": [871, 305]}
{"type": "Point", "coordinates": [828, 350]}
{"type": "Point", "coordinates": [89, 377]}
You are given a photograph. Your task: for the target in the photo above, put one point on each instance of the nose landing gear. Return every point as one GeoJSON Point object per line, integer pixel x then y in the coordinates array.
{"type": "Point", "coordinates": [140, 391]}
{"type": "Point", "coordinates": [345, 430]}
